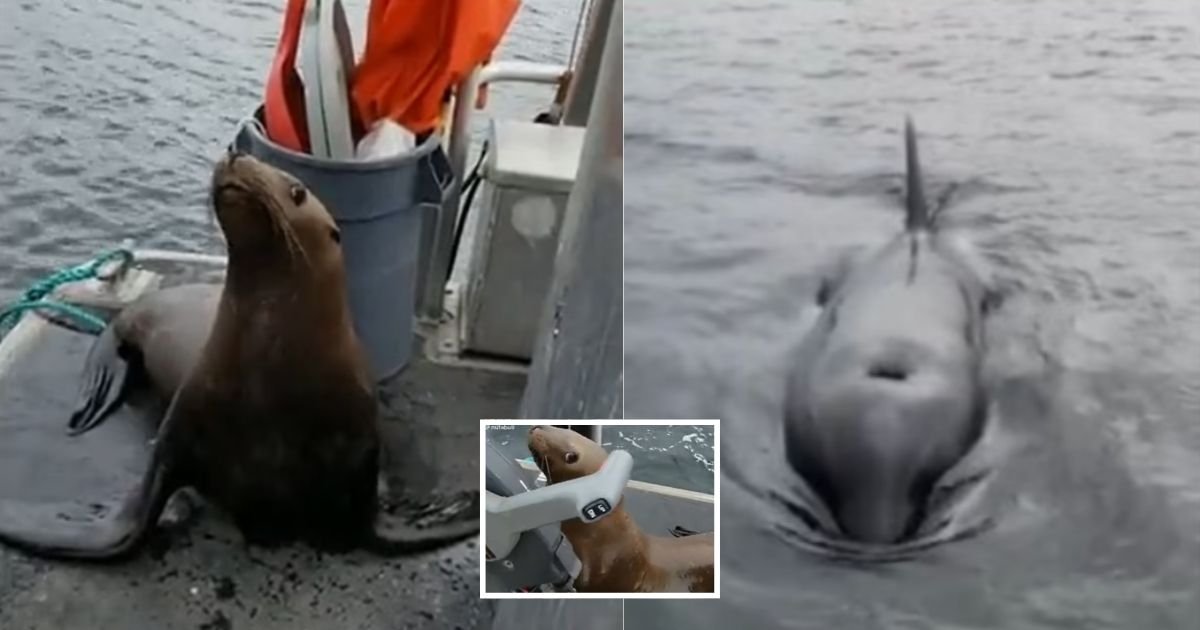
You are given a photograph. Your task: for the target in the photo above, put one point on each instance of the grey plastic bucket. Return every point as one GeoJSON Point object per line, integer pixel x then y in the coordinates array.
{"type": "Point", "coordinates": [379, 207]}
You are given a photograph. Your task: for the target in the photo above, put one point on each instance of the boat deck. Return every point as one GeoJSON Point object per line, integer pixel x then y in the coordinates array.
{"type": "Point", "coordinates": [199, 574]}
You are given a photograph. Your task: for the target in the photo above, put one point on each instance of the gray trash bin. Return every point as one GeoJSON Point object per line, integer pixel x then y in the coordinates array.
{"type": "Point", "coordinates": [379, 207]}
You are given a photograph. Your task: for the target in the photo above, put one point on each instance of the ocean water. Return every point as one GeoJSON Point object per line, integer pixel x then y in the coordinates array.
{"type": "Point", "coordinates": [112, 113]}
{"type": "Point", "coordinates": [764, 137]}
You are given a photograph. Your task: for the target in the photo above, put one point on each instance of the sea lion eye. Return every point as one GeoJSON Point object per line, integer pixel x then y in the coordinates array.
{"type": "Point", "coordinates": [298, 194]}
{"type": "Point", "coordinates": [336, 235]}
{"type": "Point", "coordinates": [571, 457]}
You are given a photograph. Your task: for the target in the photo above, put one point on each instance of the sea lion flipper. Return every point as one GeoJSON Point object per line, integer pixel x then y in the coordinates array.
{"type": "Point", "coordinates": [106, 377]}
{"type": "Point", "coordinates": [393, 535]}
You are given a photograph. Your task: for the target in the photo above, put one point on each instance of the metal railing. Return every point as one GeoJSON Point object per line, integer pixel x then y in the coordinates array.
{"type": "Point", "coordinates": [578, 102]}
{"type": "Point", "coordinates": [437, 268]}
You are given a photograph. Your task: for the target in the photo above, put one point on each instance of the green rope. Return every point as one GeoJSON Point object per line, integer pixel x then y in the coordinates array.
{"type": "Point", "coordinates": [34, 298]}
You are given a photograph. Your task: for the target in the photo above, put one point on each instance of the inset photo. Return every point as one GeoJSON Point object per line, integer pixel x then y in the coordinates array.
{"type": "Point", "coordinates": [597, 509]}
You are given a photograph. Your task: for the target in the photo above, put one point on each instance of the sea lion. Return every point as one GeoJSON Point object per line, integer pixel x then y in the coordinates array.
{"type": "Point", "coordinates": [160, 335]}
{"type": "Point", "coordinates": [616, 555]}
{"type": "Point", "coordinates": [272, 413]}
{"type": "Point", "coordinates": [887, 394]}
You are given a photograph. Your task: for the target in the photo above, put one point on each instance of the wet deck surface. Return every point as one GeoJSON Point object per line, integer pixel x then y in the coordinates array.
{"type": "Point", "coordinates": [199, 574]}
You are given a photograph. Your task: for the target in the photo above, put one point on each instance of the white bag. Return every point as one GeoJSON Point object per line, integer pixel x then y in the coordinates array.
{"type": "Point", "coordinates": [386, 139]}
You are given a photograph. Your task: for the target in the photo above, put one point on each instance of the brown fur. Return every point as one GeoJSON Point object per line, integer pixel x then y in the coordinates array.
{"type": "Point", "coordinates": [616, 555]}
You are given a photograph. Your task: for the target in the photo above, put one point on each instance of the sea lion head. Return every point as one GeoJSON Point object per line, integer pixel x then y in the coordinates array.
{"type": "Point", "coordinates": [563, 454]}
{"type": "Point", "coordinates": [270, 218]}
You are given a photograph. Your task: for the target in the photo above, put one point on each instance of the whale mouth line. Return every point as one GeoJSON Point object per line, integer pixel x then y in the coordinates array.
{"type": "Point", "coordinates": [816, 530]}
{"type": "Point", "coordinates": [854, 552]}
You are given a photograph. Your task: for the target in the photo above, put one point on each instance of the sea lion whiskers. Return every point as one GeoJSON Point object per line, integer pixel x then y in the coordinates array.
{"type": "Point", "coordinates": [286, 230]}
{"type": "Point", "coordinates": [278, 218]}
{"type": "Point", "coordinates": [252, 185]}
